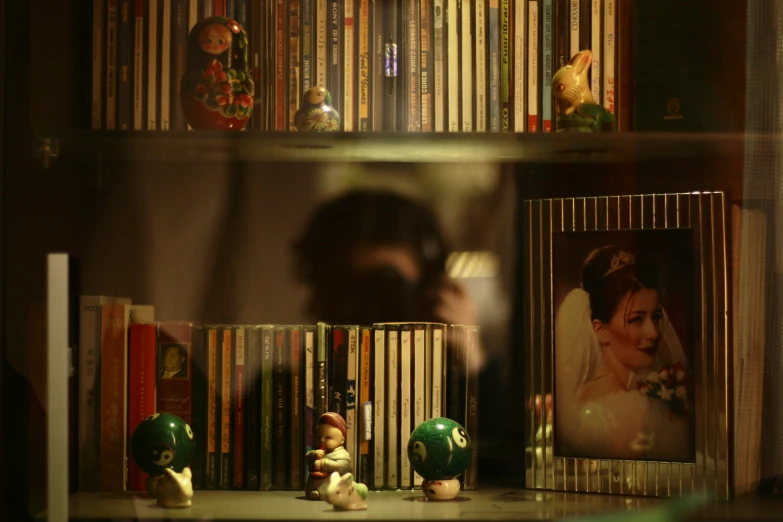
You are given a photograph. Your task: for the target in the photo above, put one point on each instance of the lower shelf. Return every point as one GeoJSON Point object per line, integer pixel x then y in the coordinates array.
{"type": "Point", "coordinates": [484, 504]}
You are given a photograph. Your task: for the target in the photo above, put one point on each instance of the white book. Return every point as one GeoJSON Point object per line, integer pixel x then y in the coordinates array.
{"type": "Point", "coordinates": [481, 67]}
{"type": "Point", "coordinates": [138, 68]}
{"type": "Point", "coordinates": [406, 415]}
{"type": "Point", "coordinates": [440, 73]}
{"type": "Point", "coordinates": [466, 40]}
{"type": "Point", "coordinates": [348, 67]}
{"type": "Point", "coordinates": [152, 65]}
{"type": "Point", "coordinates": [321, 54]}
{"type": "Point", "coordinates": [609, 55]}
{"type": "Point", "coordinates": [520, 86]}
{"type": "Point", "coordinates": [532, 67]}
{"type": "Point", "coordinates": [453, 64]}
{"type": "Point", "coordinates": [574, 25]}
{"type": "Point", "coordinates": [97, 64]}
{"type": "Point", "coordinates": [165, 65]}
{"type": "Point", "coordinates": [392, 394]}
{"type": "Point", "coordinates": [379, 409]}
{"type": "Point", "coordinates": [89, 363]}
{"type": "Point", "coordinates": [437, 372]}
{"type": "Point", "coordinates": [351, 440]}
{"type": "Point", "coordinates": [596, 40]}
{"type": "Point", "coordinates": [419, 384]}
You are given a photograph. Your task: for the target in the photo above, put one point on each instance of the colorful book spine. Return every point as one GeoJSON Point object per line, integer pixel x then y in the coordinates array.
{"type": "Point", "coordinates": [141, 389]}
{"type": "Point", "coordinates": [321, 39]}
{"type": "Point", "coordinates": [366, 63]}
{"type": "Point", "coordinates": [505, 65]}
{"type": "Point", "coordinates": [482, 47]}
{"type": "Point", "coordinates": [309, 389]}
{"type": "Point", "coordinates": [226, 406]}
{"type": "Point", "coordinates": [520, 65]}
{"type": "Point", "coordinates": [308, 33]}
{"type": "Point", "coordinates": [294, 69]}
{"type": "Point", "coordinates": [609, 55]}
{"type": "Point", "coordinates": [426, 58]}
{"type": "Point", "coordinates": [267, 401]}
{"type": "Point", "coordinates": [533, 72]}
{"type": "Point", "coordinates": [365, 402]}
{"type": "Point", "coordinates": [471, 374]}
{"type": "Point", "coordinates": [164, 65]}
{"type": "Point", "coordinates": [466, 58]}
{"type": "Point", "coordinates": [212, 478]}
{"type": "Point", "coordinates": [494, 65]}
{"type": "Point", "coordinates": [200, 398]}
{"type": "Point", "coordinates": [574, 35]}
{"type": "Point", "coordinates": [240, 404]}
{"type": "Point", "coordinates": [352, 371]}
{"type": "Point", "coordinates": [548, 60]}
{"type": "Point", "coordinates": [281, 78]}
{"type": "Point", "coordinates": [113, 399]}
{"type": "Point", "coordinates": [348, 65]}
{"type": "Point", "coordinates": [335, 50]}
{"type": "Point", "coordinates": [439, 44]}
{"type": "Point", "coordinates": [179, 42]}
{"type": "Point", "coordinates": [596, 39]}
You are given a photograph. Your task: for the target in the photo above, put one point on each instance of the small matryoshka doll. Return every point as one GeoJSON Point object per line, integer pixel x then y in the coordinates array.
{"type": "Point", "coordinates": [217, 90]}
{"type": "Point", "coordinates": [316, 113]}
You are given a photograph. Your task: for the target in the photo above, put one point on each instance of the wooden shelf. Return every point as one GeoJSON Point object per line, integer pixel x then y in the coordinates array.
{"type": "Point", "coordinates": [220, 147]}
{"type": "Point", "coordinates": [485, 504]}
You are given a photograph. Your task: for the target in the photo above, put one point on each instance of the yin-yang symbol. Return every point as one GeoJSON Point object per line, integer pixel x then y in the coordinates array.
{"type": "Point", "coordinates": [460, 437]}
{"type": "Point", "coordinates": [152, 417]}
{"type": "Point", "coordinates": [189, 431]}
{"type": "Point", "coordinates": [162, 455]}
{"type": "Point", "coordinates": [419, 452]}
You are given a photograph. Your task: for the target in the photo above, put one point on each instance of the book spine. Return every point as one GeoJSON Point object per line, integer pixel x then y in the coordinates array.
{"type": "Point", "coordinates": [207, 8]}
{"type": "Point", "coordinates": [335, 75]}
{"type": "Point", "coordinates": [231, 8]}
{"type": "Point", "coordinates": [258, 44]}
{"type": "Point", "coordinates": [597, 43]}
{"type": "Point", "coordinates": [253, 408]}
{"type": "Point", "coordinates": [226, 407]}
{"type": "Point", "coordinates": [179, 42]}
{"type": "Point", "coordinates": [280, 443]}
{"type": "Point", "coordinates": [193, 14]}
{"type": "Point", "coordinates": [240, 405]}
{"type": "Point", "coordinates": [471, 374]}
{"type": "Point", "coordinates": [378, 360]}
{"type": "Point", "coordinates": [164, 65]}
{"type": "Point", "coordinates": [219, 8]}
{"type": "Point", "coordinates": [174, 391]}
{"type": "Point", "coordinates": [466, 57]}
{"type": "Point", "coordinates": [393, 408]}
{"type": "Point", "coordinates": [438, 352]}
{"type": "Point", "coordinates": [267, 400]}
{"type": "Point", "coordinates": [455, 407]}
{"type": "Point", "coordinates": [294, 70]}
{"type": "Point", "coordinates": [338, 357]}
{"type": "Point", "coordinates": [366, 62]}
{"type": "Point", "coordinates": [281, 121]}
{"type": "Point", "coordinates": [111, 65]}
{"type": "Point", "coordinates": [573, 25]}
{"type": "Point", "coordinates": [609, 55]}
{"type": "Point", "coordinates": [453, 52]}
{"type": "Point", "coordinates": [152, 65]}
{"type": "Point", "coordinates": [520, 64]}
{"type": "Point", "coordinates": [308, 64]}
{"type": "Point", "coordinates": [212, 480]}
{"type": "Point", "coordinates": [548, 60]}
{"type": "Point", "coordinates": [138, 66]}
{"type": "Point", "coordinates": [480, 34]}
{"type": "Point", "coordinates": [322, 370]}
{"type": "Point", "coordinates": [419, 386]}
{"type": "Point", "coordinates": [141, 389]}
{"type": "Point", "coordinates": [348, 50]}
{"type": "Point", "coordinates": [505, 65]}
{"type": "Point", "coordinates": [425, 62]}
{"type": "Point", "coordinates": [624, 63]}
{"type": "Point", "coordinates": [562, 33]}
{"type": "Point", "coordinates": [585, 8]}
{"type": "Point", "coordinates": [439, 43]}
{"type": "Point", "coordinates": [296, 443]}
{"type": "Point", "coordinates": [494, 65]}
{"type": "Point", "coordinates": [98, 21]}
{"type": "Point", "coordinates": [199, 412]}
{"type": "Point", "coordinates": [532, 66]}
{"type": "Point", "coordinates": [406, 417]}
{"type": "Point", "coordinates": [352, 371]}
{"type": "Point", "coordinates": [378, 83]}
{"type": "Point", "coordinates": [365, 402]}
{"type": "Point", "coordinates": [392, 81]}
{"type": "Point", "coordinates": [322, 39]}
{"type": "Point", "coordinates": [114, 360]}
{"type": "Point", "coordinates": [241, 12]}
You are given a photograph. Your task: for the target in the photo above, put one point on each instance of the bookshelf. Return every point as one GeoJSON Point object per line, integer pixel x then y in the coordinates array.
{"type": "Point", "coordinates": [116, 177]}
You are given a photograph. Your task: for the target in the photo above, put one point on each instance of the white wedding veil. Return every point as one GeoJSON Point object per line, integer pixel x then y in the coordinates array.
{"type": "Point", "coordinates": [578, 353]}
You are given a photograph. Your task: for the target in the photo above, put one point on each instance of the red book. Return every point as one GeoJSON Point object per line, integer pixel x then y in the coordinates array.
{"type": "Point", "coordinates": [174, 369]}
{"type": "Point", "coordinates": [141, 390]}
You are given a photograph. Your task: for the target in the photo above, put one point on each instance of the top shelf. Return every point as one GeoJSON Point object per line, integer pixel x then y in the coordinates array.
{"type": "Point", "coordinates": [255, 147]}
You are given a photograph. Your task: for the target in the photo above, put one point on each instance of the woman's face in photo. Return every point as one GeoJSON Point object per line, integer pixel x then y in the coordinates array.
{"type": "Point", "coordinates": [635, 329]}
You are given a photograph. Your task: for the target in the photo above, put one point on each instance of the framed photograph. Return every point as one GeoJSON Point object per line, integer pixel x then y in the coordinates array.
{"type": "Point", "coordinates": [626, 344]}
{"type": "Point", "coordinates": [173, 360]}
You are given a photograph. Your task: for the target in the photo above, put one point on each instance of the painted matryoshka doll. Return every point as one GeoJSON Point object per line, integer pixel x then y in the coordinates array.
{"type": "Point", "coordinates": [217, 90]}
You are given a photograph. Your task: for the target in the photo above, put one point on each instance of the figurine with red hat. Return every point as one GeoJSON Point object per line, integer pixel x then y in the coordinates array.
{"type": "Point", "coordinates": [330, 432]}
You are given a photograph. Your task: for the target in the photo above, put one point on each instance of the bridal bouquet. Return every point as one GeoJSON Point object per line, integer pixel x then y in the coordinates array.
{"type": "Point", "coordinates": [669, 384]}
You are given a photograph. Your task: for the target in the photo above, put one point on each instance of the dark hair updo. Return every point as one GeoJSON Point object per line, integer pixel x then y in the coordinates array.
{"type": "Point", "coordinates": [609, 273]}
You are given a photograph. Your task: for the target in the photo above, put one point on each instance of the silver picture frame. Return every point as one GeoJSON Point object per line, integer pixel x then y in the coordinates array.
{"type": "Point", "coordinates": [686, 230]}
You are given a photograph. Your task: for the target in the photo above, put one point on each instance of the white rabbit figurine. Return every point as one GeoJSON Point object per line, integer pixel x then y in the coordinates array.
{"type": "Point", "coordinates": [574, 103]}
{"type": "Point", "coordinates": [174, 489]}
{"type": "Point", "coordinates": [345, 494]}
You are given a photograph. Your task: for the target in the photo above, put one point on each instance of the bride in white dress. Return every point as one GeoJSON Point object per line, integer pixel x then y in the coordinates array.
{"type": "Point", "coordinates": [610, 334]}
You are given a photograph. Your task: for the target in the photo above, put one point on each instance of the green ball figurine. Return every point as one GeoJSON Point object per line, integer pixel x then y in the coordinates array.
{"type": "Point", "coordinates": [439, 450]}
{"type": "Point", "coordinates": [162, 441]}
{"type": "Point", "coordinates": [316, 113]}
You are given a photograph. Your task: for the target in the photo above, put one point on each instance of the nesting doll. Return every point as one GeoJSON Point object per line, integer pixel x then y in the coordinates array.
{"type": "Point", "coordinates": [316, 113]}
{"type": "Point", "coordinates": [217, 88]}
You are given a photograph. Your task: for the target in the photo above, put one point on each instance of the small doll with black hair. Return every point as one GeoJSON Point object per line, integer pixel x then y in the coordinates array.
{"type": "Point", "coordinates": [330, 432]}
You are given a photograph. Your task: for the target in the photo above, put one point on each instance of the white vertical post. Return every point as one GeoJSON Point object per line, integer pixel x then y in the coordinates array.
{"type": "Point", "coordinates": [57, 387]}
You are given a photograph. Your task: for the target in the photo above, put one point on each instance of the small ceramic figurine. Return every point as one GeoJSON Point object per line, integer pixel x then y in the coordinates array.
{"type": "Point", "coordinates": [217, 90]}
{"type": "Point", "coordinates": [316, 113]}
{"type": "Point", "coordinates": [162, 441]}
{"type": "Point", "coordinates": [439, 450]}
{"type": "Point", "coordinates": [330, 434]}
{"type": "Point", "coordinates": [345, 494]}
{"type": "Point", "coordinates": [574, 103]}
{"type": "Point", "coordinates": [175, 490]}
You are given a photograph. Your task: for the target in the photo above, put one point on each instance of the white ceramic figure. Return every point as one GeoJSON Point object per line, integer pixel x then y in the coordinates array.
{"type": "Point", "coordinates": [345, 494]}
{"type": "Point", "coordinates": [175, 490]}
{"type": "Point", "coordinates": [445, 489]}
